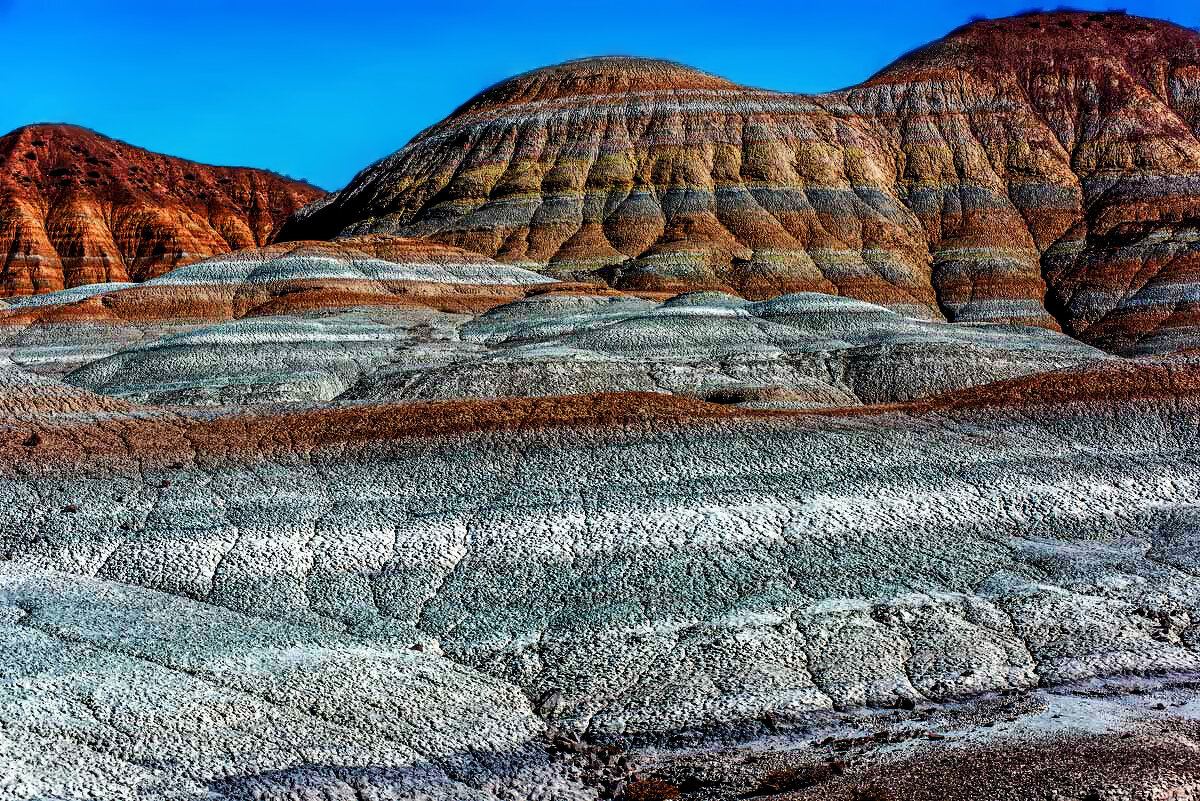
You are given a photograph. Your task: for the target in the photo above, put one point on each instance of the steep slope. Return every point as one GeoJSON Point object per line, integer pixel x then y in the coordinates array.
{"type": "Point", "coordinates": [79, 208]}
{"type": "Point", "coordinates": [1040, 169]}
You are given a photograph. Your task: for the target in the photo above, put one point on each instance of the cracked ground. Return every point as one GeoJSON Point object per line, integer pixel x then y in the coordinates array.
{"type": "Point", "coordinates": [581, 541]}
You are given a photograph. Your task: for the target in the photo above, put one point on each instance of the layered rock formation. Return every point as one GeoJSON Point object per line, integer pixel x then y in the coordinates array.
{"type": "Point", "coordinates": [365, 568]}
{"type": "Point", "coordinates": [79, 208]}
{"type": "Point", "coordinates": [797, 351]}
{"type": "Point", "coordinates": [315, 317]}
{"type": "Point", "coordinates": [289, 278]}
{"type": "Point", "coordinates": [381, 517]}
{"type": "Point", "coordinates": [1043, 169]}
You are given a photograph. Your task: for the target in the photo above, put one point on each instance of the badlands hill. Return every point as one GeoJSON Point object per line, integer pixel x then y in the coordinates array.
{"type": "Point", "coordinates": [370, 515]}
{"type": "Point", "coordinates": [79, 208]}
{"type": "Point", "coordinates": [1042, 169]}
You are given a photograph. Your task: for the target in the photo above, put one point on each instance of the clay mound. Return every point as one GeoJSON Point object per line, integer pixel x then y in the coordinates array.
{"type": "Point", "coordinates": [63, 297]}
{"type": "Point", "coordinates": [79, 208]}
{"type": "Point", "coordinates": [388, 261]}
{"type": "Point", "coordinates": [294, 278]}
{"type": "Point", "coordinates": [26, 396]}
{"type": "Point", "coordinates": [1042, 169]}
{"type": "Point", "coordinates": [297, 328]}
{"type": "Point", "coordinates": [795, 351]}
{"type": "Point", "coordinates": [266, 359]}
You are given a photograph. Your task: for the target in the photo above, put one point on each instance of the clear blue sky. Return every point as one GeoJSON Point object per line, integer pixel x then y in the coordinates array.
{"type": "Point", "coordinates": [318, 90]}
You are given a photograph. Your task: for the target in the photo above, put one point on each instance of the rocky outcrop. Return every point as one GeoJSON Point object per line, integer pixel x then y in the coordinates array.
{"type": "Point", "coordinates": [1042, 169]}
{"type": "Point", "coordinates": [795, 351]}
{"type": "Point", "coordinates": [79, 208]}
{"type": "Point", "coordinates": [377, 295]}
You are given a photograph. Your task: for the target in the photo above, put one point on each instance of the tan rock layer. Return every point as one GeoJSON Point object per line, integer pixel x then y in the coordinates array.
{"type": "Point", "coordinates": [78, 208]}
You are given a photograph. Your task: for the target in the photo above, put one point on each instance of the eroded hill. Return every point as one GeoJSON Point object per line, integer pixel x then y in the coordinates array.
{"type": "Point", "coordinates": [1042, 169]}
{"type": "Point", "coordinates": [78, 208]}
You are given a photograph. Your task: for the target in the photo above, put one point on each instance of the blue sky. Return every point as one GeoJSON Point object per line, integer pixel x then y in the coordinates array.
{"type": "Point", "coordinates": [318, 90]}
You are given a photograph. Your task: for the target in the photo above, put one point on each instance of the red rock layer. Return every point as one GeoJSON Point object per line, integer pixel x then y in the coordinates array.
{"type": "Point", "coordinates": [79, 431]}
{"type": "Point", "coordinates": [84, 432]}
{"type": "Point", "coordinates": [79, 208]}
{"type": "Point", "coordinates": [1099, 387]}
{"type": "Point", "coordinates": [1042, 169]}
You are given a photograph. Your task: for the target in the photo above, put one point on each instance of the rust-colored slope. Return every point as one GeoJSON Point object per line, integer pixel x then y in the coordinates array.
{"type": "Point", "coordinates": [79, 208]}
{"type": "Point", "coordinates": [78, 430]}
{"type": "Point", "coordinates": [1041, 169]}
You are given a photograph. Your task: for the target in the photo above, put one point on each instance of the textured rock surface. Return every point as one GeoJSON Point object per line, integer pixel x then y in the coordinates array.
{"type": "Point", "coordinates": [269, 359]}
{"type": "Point", "coordinates": [803, 350]}
{"type": "Point", "coordinates": [290, 278]}
{"type": "Point", "coordinates": [1043, 169]}
{"type": "Point", "coordinates": [658, 566]}
{"type": "Point", "coordinates": [792, 351]}
{"type": "Point", "coordinates": [79, 208]}
{"type": "Point", "coordinates": [130, 693]}
{"type": "Point", "coordinates": [281, 348]}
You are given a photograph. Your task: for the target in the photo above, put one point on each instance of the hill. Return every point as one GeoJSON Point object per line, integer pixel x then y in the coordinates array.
{"type": "Point", "coordinates": [1041, 169]}
{"type": "Point", "coordinates": [79, 208]}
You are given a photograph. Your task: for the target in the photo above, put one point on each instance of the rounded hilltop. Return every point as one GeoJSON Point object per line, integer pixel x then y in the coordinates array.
{"type": "Point", "coordinates": [1034, 170]}
{"type": "Point", "coordinates": [599, 75]}
{"type": "Point", "coordinates": [1038, 40]}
